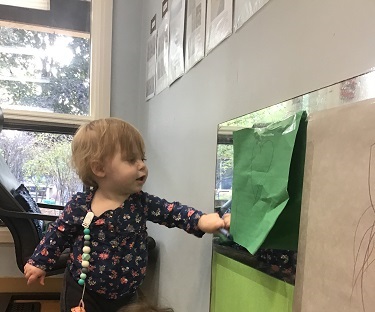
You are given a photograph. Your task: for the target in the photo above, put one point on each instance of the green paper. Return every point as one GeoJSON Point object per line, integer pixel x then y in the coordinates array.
{"type": "Point", "coordinates": [267, 184]}
{"type": "Point", "coordinates": [239, 288]}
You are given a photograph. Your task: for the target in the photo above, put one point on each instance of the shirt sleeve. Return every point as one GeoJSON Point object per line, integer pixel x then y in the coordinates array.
{"type": "Point", "coordinates": [59, 234]}
{"type": "Point", "coordinates": [172, 214]}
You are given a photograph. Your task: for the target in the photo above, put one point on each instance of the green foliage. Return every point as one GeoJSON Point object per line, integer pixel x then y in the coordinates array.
{"type": "Point", "coordinates": [50, 72]}
{"type": "Point", "coordinates": [224, 166]}
{"type": "Point", "coordinates": [52, 83]}
{"type": "Point", "coordinates": [14, 148]}
{"type": "Point", "coordinates": [52, 167]}
{"type": "Point", "coordinates": [41, 159]}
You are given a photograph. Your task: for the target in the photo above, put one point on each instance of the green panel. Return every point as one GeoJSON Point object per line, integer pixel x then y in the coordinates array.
{"type": "Point", "coordinates": [239, 288]}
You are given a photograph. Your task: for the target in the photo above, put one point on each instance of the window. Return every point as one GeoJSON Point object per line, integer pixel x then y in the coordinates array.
{"type": "Point", "coordinates": [43, 66]}
{"type": "Point", "coordinates": [44, 71]}
{"type": "Point", "coordinates": [41, 161]}
{"type": "Point", "coordinates": [54, 75]}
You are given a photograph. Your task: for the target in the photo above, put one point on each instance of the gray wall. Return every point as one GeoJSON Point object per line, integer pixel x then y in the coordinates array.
{"type": "Point", "coordinates": [287, 49]}
{"type": "Point", "coordinates": [126, 47]}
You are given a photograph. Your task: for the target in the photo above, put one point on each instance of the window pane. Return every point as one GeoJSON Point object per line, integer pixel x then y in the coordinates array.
{"type": "Point", "coordinates": [44, 71]}
{"type": "Point", "coordinates": [31, 4]}
{"type": "Point", "coordinates": [41, 161]}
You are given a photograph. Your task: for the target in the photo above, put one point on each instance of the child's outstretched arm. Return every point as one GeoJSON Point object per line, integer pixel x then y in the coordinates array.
{"type": "Point", "coordinates": [33, 274]}
{"type": "Point", "coordinates": [174, 214]}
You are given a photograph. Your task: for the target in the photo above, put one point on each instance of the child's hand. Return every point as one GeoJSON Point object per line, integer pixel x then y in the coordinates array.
{"type": "Point", "coordinates": [226, 219]}
{"type": "Point", "coordinates": [210, 223]}
{"type": "Point", "coordinates": [33, 273]}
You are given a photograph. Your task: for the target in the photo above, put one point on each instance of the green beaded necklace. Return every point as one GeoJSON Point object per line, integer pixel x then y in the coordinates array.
{"type": "Point", "coordinates": [85, 255]}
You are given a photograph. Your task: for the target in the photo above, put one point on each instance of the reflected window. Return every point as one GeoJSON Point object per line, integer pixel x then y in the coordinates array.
{"type": "Point", "coordinates": [224, 174]}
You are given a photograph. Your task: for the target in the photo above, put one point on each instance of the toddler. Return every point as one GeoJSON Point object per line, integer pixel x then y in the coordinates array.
{"type": "Point", "coordinates": [105, 227]}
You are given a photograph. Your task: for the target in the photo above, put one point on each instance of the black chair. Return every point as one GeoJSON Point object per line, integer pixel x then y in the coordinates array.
{"type": "Point", "coordinates": [23, 223]}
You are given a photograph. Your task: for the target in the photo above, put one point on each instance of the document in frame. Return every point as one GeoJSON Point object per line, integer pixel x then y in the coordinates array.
{"type": "Point", "coordinates": [195, 32]}
{"type": "Point", "coordinates": [151, 61]}
{"type": "Point", "coordinates": [162, 50]}
{"type": "Point", "coordinates": [219, 22]}
{"type": "Point", "coordinates": [244, 10]}
{"type": "Point", "coordinates": [176, 39]}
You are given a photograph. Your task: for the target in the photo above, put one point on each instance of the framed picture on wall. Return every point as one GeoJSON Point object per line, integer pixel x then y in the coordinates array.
{"type": "Point", "coordinates": [195, 32]}
{"type": "Point", "coordinates": [162, 50]}
{"type": "Point", "coordinates": [151, 61]}
{"type": "Point", "coordinates": [176, 39]}
{"type": "Point", "coordinates": [244, 10]}
{"type": "Point", "coordinates": [219, 22]}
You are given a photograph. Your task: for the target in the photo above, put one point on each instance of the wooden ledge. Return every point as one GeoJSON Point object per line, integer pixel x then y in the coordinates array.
{"type": "Point", "coordinates": [18, 285]}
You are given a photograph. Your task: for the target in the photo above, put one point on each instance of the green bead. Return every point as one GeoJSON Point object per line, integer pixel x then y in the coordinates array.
{"type": "Point", "coordinates": [87, 237]}
{"type": "Point", "coordinates": [81, 282]}
{"type": "Point", "coordinates": [86, 231]}
{"type": "Point", "coordinates": [85, 270]}
{"type": "Point", "coordinates": [83, 276]}
{"type": "Point", "coordinates": [86, 243]}
{"type": "Point", "coordinates": [85, 256]}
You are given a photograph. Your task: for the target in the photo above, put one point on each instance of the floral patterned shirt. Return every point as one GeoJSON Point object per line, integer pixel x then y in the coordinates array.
{"type": "Point", "coordinates": [118, 240]}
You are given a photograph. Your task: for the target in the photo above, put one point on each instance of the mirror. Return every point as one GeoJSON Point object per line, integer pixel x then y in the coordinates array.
{"type": "Point", "coordinates": [280, 264]}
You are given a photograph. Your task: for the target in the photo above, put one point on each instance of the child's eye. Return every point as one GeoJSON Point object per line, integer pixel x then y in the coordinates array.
{"type": "Point", "coordinates": [134, 160]}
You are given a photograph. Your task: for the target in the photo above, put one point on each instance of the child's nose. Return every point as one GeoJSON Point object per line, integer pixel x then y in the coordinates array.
{"type": "Point", "coordinates": [141, 164]}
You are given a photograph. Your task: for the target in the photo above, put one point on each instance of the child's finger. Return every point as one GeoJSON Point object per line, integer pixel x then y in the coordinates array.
{"type": "Point", "coordinates": [31, 279]}
{"type": "Point", "coordinates": [226, 219]}
{"type": "Point", "coordinates": [27, 274]}
{"type": "Point", "coordinates": [217, 223]}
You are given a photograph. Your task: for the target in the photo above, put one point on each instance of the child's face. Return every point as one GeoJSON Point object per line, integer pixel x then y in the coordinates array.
{"type": "Point", "coordinates": [123, 176]}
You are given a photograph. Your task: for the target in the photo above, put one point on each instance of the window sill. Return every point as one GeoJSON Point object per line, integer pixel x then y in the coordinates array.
{"type": "Point", "coordinates": [5, 236]}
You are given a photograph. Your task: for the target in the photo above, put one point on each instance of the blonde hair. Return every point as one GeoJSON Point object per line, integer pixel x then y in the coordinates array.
{"type": "Point", "coordinates": [100, 140]}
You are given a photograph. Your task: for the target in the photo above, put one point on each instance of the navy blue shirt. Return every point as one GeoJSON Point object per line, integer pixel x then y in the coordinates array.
{"type": "Point", "coordinates": [118, 240]}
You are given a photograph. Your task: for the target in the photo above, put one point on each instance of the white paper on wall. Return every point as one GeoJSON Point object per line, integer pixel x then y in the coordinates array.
{"type": "Point", "coordinates": [176, 39]}
{"type": "Point", "coordinates": [219, 22]}
{"type": "Point", "coordinates": [151, 66]}
{"type": "Point", "coordinates": [244, 9]}
{"type": "Point", "coordinates": [162, 54]}
{"type": "Point", "coordinates": [195, 32]}
{"type": "Point", "coordinates": [336, 268]}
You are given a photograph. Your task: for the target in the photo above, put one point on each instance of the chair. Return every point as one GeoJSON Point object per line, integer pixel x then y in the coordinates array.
{"type": "Point", "coordinates": [22, 226]}
{"type": "Point", "coordinates": [20, 221]}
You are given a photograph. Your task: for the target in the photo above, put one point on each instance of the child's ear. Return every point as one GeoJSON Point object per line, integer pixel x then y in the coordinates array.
{"type": "Point", "coordinates": [97, 168]}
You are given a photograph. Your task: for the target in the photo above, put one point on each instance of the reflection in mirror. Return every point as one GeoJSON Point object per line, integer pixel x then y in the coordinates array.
{"type": "Point", "coordinates": [280, 264]}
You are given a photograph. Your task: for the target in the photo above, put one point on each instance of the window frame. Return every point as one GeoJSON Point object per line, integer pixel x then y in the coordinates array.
{"type": "Point", "coordinates": [100, 81]}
